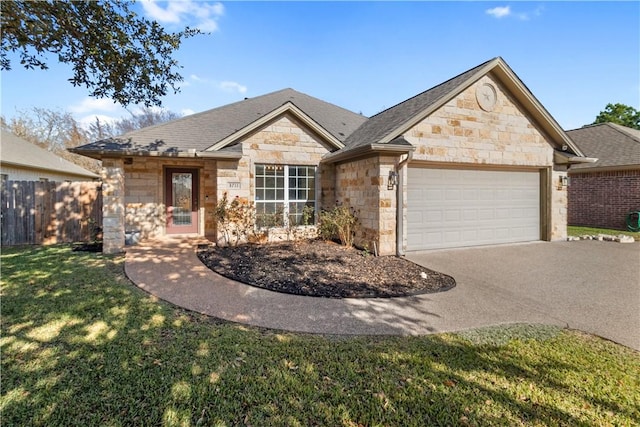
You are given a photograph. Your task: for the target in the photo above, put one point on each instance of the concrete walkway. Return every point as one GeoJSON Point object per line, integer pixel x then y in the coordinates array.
{"type": "Point", "coordinates": [587, 285]}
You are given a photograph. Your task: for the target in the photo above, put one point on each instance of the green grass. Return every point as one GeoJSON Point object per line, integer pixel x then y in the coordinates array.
{"type": "Point", "coordinates": [82, 346]}
{"type": "Point", "coordinates": [574, 230]}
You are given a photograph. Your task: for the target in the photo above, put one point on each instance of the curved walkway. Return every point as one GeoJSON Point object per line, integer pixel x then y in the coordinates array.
{"type": "Point", "coordinates": [171, 270]}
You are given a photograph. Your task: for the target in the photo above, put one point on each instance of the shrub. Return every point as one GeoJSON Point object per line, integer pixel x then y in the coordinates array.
{"type": "Point", "coordinates": [340, 222]}
{"type": "Point", "coordinates": [235, 219]}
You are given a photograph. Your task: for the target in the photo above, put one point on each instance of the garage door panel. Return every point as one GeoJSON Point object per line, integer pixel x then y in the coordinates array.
{"type": "Point", "coordinates": [454, 208]}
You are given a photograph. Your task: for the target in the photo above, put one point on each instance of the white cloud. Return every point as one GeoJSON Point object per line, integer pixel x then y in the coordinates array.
{"type": "Point", "coordinates": [94, 104]}
{"type": "Point", "coordinates": [232, 87]}
{"type": "Point", "coordinates": [499, 12]}
{"type": "Point", "coordinates": [187, 112]}
{"type": "Point", "coordinates": [199, 14]}
{"type": "Point", "coordinates": [226, 86]}
{"type": "Point", "coordinates": [505, 11]}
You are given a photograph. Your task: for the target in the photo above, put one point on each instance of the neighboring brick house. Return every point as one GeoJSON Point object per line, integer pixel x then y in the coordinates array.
{"type": "Point", "coordinates": [475, 160]}
{"type": "Point", "coordinates": [601, 194]}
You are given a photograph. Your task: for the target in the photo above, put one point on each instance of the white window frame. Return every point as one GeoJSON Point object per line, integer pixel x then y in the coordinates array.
{"type": "Point", "coordinates": [286, 200]}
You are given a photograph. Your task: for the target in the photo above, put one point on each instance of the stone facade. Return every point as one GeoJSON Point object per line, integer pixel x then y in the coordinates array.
{"type": "Point", "coordinates": [362, 185]}
{"type": "Point", "coordinates": [603, 199]}
{"type": "Point", "coordinates": [113, 209]}
{"type": "Point", "coordinates": [146, 210]}
{"type": "Point", "coordinates": [285, 141]}
{"type": "Point", "coordinates": [141, 201]}
{"type": "Point", "coordinates": [461, 133]}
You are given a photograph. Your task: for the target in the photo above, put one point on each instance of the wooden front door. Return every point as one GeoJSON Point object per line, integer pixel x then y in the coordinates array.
{"type": "Point", "coordinates": [182, 200]}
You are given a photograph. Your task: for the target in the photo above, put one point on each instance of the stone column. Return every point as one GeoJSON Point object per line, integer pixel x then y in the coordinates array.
{"type": "Point", "coordinates": [112, 206]}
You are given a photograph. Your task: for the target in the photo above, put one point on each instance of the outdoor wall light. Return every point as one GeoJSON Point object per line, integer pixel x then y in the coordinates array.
{"type": "Point", "coordinates": [393, 179]}
{"type": "Point", "coordinates": [564, 181]}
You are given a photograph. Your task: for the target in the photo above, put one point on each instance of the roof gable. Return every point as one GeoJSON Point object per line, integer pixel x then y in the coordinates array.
{"type": "Point", "coordinates": [289, 108]}
{"type": "Point", "coordinates": [615, 146]}
{"type": "Point", "coordinates": [395, 121]}
{"type": "Point", "coordinates": [19, 152]}
{"type": "Point", "coordinates": [215, 129]}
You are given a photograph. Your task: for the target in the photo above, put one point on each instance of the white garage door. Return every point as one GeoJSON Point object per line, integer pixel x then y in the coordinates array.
{"type": "Point", "coordinates": [449, 208]}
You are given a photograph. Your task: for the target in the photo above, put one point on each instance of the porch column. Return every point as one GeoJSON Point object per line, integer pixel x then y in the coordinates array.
{"type": "Point", "coordinates": [112, 206]}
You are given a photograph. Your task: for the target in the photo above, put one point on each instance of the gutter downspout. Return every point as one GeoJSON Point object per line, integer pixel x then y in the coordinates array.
{"type": "Point", "coordinates": [400, 205]}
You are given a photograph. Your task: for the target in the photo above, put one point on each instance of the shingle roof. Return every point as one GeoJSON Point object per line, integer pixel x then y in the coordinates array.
{"type": "Point", "coordinates": [382, 124]}
{"type": "Point", "coordinates": [614, 145]}
{"type": "Point", "coordinates": [203, 130]}
{"type": "Point", "coordinates": [16, 151]}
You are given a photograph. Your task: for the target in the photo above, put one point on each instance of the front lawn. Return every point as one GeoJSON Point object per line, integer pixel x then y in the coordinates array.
{"type": "Point", "coordinates": [575, 230]}
{"type": "Point", "coordinates": [82, 346]}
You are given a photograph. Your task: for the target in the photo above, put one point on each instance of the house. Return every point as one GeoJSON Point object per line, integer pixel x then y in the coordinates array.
{"type": "Point", "coordinates": [21, 160]}
{"type": "Point", "coordinates": [475, 160]}
{"type": "Point", "coordinates": [602, 194]}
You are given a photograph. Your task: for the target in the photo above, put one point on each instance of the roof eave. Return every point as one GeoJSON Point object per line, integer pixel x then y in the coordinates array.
{"type": "Point", "coordinates": [595, 168]}
{"type": "Point", "coordinates": [534, 107]}
{"type": "Point", "coordinates": [564, 158]}
{"type": "Point", "coordinates": [24, 166]}
{"type": "Point", "coordinates": [287, 107]}
{"type": "Point", "coordinates": [507, 77]}
{"type": "Point", "coordinates": [100, 154]}
{"type": "Point", "coordinates": [366, 150]}
{"type": "Point", "coordinates": [439, 103]}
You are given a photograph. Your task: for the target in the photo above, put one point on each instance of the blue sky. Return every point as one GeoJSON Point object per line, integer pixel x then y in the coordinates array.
{"type": "Point", "coordinates": [367, 56]}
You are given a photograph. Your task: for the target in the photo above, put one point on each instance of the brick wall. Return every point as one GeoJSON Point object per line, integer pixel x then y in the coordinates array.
{"type": "Point", "coordinates": [603, 199]}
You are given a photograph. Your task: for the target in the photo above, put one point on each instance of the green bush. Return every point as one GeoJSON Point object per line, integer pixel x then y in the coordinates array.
{"type": "Point", "coordinates": [340, 222]}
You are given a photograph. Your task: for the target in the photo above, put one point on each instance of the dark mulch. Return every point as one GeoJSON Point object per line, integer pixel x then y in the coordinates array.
{"type": "Point", "coordinates": [323, 269]}
{"type": "Point", "coordinates": [87, 247]}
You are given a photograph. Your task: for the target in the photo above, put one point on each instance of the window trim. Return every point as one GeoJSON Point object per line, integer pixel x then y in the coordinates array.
{"type": "Point", "coordinates": [286, 202]}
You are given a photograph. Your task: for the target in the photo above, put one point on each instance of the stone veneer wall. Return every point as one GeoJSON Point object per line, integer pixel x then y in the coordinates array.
{"type": "Point", "coordinates": [113, 210]}
{"type": "Point", "coordinates": [361, 184]}
{"type": "Point", "coordinates": [460, 132]}
{"type": "Point", "coordinates": [603, 199]}
{"type": "Point", "coordinates": [285, 141]}
{"type": "Point", "coordinates": [145, 199]}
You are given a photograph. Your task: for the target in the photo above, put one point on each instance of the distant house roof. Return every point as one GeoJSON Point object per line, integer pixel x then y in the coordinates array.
{"type": "Point", "coordinates": [16, 151]}
{"type": "Point", "coordinates": [615, 146]}
{"type": "Point", "coordinates": [215, 130]}
{"type": "Point", "coordinates": [389, 125]}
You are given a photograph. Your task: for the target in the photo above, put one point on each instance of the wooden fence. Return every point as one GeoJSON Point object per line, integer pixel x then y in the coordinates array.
{"type": "Point", "coordinates": [44, 213]}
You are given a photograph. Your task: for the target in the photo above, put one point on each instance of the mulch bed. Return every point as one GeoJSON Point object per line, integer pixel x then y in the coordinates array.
{"type": "Point", "coordinates": [323, 269]}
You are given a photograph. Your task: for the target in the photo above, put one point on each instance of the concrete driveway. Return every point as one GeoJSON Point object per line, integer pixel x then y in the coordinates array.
{"type": "Point", "coordinates": [588, 285]}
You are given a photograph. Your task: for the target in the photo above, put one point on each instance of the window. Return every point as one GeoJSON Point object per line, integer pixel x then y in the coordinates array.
{"type": "Point", "coordinates": [285, 195]}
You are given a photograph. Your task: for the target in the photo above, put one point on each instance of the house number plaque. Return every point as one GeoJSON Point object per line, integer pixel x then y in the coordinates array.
{"type": "Point", "coordinates": [234, 185]}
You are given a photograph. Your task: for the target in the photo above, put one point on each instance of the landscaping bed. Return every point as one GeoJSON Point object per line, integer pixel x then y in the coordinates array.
{"type": "Point", "coordinates": [323, 269]}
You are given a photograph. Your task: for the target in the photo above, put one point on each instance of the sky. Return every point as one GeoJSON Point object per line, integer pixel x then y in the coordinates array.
{"type": "Point", "coordinates": [575, 57]}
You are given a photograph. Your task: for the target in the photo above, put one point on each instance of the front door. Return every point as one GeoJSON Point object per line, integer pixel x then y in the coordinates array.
{"type": "Point", "coordinates": [182, 201]}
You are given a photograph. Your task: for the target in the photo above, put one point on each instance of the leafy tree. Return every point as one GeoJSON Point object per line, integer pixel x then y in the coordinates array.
{"type": "Point", "coordinates": [620, 114]}
{"type": "Point", "coordinates": [113, 52]}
